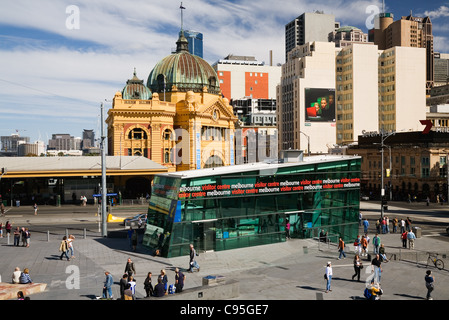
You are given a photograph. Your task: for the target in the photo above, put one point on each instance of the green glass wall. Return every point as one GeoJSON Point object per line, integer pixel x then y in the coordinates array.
{"type": "Point", "coordinates": [243, 209]}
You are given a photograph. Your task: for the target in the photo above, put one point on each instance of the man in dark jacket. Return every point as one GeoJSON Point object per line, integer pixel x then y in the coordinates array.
{"type": "Point", "coordinates": [159, 289]}
{"type": "Point", "coordinates": [179, 280]}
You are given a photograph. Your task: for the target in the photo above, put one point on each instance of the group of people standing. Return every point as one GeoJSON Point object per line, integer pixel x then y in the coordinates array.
{"type": "Point", "coordinates": [20, 234]}
{"type": "Point", "coordinates": [128, 283]}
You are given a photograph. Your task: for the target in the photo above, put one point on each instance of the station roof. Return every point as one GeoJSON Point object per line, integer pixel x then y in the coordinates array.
{"type": "Point", "coordinates": [29, 167]}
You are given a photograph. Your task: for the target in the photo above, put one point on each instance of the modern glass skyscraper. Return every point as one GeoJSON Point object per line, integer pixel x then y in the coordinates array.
{"type": "Point", "coordinates": [195, 40]}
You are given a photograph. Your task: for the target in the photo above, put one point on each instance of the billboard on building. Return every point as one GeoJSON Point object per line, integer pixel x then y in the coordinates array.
{"type": "Point", "coordinates": [320, 105]}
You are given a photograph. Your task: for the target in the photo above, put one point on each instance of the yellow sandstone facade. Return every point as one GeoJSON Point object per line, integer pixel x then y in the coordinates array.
{"type": "Point", "coordinates": [179, 120]}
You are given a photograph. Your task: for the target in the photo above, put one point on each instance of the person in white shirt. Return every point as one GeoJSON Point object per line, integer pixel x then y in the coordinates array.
{"type": "Point", "coordinates": [328, 276]}
{"type": "Point", "coordinates": [16, 275]}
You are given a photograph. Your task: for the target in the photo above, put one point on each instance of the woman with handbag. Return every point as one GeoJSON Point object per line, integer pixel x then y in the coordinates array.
{"type": "Point", "coordinates": [357, 267]}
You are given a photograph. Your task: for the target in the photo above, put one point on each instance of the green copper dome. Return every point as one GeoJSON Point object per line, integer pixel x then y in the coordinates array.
{"type": "Point", "coordinates": [136, 90]}
{"type": "Point", "coordinates": [184, 70]}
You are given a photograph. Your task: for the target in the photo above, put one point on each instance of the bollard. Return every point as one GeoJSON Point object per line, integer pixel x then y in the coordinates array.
{"type": "Point", "coordinates": [8, 241]}
{"type": "Point", "coordinates": [84, 232]}
{"type": "Point", "coordinates": [67, 233]}
{"type": "Point", "coordinates": [48, 236]}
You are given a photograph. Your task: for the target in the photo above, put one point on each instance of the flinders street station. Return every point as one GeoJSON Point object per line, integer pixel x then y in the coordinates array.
{"type": "Point", "coordinates": [179, 119]}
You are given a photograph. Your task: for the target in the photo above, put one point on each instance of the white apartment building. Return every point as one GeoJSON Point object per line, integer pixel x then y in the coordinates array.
{"type": "Point", "coordinates": [308, 79]}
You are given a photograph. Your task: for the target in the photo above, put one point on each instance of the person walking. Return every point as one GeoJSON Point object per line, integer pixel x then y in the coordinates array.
{"type": "Point", "coordinates": [133, 284]}
{"type": "Point", "coordinates": [364, 243]}
{"type": "Point", "coordinates": [395, 225]}
{"type": "Point", "coordinates": [430, 282]}
{"type": "Point", "coordinates": [193, 263]}
{"type": "Point", "coordinates": [35, 209]}
{"type": "Point", "coordinates": [130, 269]}
{"type": "Point", "coordinates": [328, 276]}
{"type": "Point", "coordinates": [357, 245]}
{"type": "Point", "coordinates": [8, 228]}
{"type": "Point", "coordinates": [2, 209]}
{"type": "Point", "coordinates": [411, 239]}
{"type": "Point", "coordinates": [287, 229]}
{"type": "Point", "coordinates": [365, 225]}
{"type": "Point", "coordinates": [123, 285]}
{"type": "Point", "coordinates": [357, 267]}
{"type": "Point", "coordinates": [70, 240]}
{"type": "Point", "coordinates": [64, 248]}
{"type": "Point", "coordinates": [402, 225]}
{"type": "Point", "coordinates": [404, 239]}
{"type": "Point", "coordinates": [179, 280]}
{"type": "Point", "coordinates": [107, 286]}
{"type": "Point", "coordinates": [377, 268]}
{"type": "Point", "coordinates": [408, 224]}
{"type": "Point", "coordinates": [148, 286]}
{"type": "Point", "coordinates": [376, 244]}
{"type": "Point", "coordinates": [341, 249]}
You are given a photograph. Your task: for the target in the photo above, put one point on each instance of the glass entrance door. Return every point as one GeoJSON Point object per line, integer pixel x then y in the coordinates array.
{"type": "Point", "coordinates": [205, 235]}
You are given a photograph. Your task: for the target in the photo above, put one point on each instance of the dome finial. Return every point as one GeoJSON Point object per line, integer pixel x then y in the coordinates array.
{"type": "Point", "coordinates": [182, 17]}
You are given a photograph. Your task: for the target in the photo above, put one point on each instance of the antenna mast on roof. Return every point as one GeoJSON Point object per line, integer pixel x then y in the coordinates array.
{"type": "Point", "coordinates": [182, 18]}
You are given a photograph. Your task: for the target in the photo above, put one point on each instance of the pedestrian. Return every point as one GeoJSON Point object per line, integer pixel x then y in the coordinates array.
{"type": "Point", "coordinates": [134, 238]}
{"type": "Point", "coordinates": [123, 285]}
{"type": "Point", "coordinates": [376, 266]}
{"type": "Point", "coordinates": [107, 287]}
{"type": "Point", "coordinates": [402, 225]}
{"type": "Point", "coordinates": [130, 269]}
{"type": "Point", "coordinates": [430, 282]}
{"type": "Point", "coordinates": [383, 222]}
{"type": "Point", "coordinates": [23, 235]}
{"type": "Point", "coordinates": [387, 224]}
{"type": "Point", "coordinates": [35, 209]}
{"type": "Point", "coordinates": [27, 237]}
{"type": "Point", "coordinates": [357, 245]}
{"type": "Point", "coordinates": [16, 275]}
{"type": "Point", "coordinates": [1, 230]}
{"type": "Point", "coordinates": [193, 263]}
{"type": "Point", "coordinates": [8, 228]}
{"type": "Point", "coordinates": [148, 286]}
{"type": "Point", "coordinates": [287, 229]}
{"type": "Point", "coordinates": [70, 240]}
{"type": "Point", "coordinates": [341, 249]}
{"type": "Point", "coordinates": [64, 248]}
{"type": "Point", "coordinates": [408, 224]}
{"type": "Point", "coordinates": [127, 293]}
{"type": "Point", "coordinates": [130, 234]}
{"type": "Point", "coordinates": [163, 276]}
{"type": "Point", "coordinates": [17, 237]}
{"type": "Point", "coordinates": [378, 225]}
{"type": "Point", "coordinates": [2, 208]}
{"type": "Point", "coordinates": [25, 277]}
{"type": "Point", "coordinates": [179, 280]}
{"type": "Point", "coordinates": [404, 239]}
{"type": "Point", "coordinates": [159, 290]}
{"type": "Point", "coordinates": [411, 239]}
{"type": "Point", "coordinates": [365, 225]}
{"type": "Point", "coordinates": [376, 243]}
{"type": "Point", "coordinates": [395, 225]}
{"type": "Point", "coordinates": [364, 243]}
{"type": "Point", "coordinates": [357, 267]}
{"type": "Point", "coordinates": [132, 284]}
{"type": "Point", "coordinates": [328, 276]}
{"type": "Point", "coordinates": [360, 218]}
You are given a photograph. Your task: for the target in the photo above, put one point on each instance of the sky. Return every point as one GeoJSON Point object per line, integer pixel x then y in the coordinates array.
{"type": "Point", "coordinates": [60, 60]}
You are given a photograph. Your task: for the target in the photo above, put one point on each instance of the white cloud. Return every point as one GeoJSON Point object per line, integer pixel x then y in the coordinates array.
{"type": "Point", "coordinates": [442, 11]}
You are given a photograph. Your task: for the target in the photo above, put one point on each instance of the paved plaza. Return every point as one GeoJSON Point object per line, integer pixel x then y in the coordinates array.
{"type": "Point", "coordinates": [292, 270]}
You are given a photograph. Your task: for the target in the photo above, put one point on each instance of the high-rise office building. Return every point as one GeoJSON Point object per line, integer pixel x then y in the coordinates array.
{"type": "Point", "coordinates": [195, 40]}
{"type": "Point", "coordinates": [306, 99]}
{"type": "Point", "coordinates": [441, 69]}
{"type": "Point", "coordinates": [409, 31]}
{"type": "Point", "coordinates": [309, 27]}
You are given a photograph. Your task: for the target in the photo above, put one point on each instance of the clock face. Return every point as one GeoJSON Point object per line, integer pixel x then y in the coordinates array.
{"type": "Point", "coordinates": [215, 115]}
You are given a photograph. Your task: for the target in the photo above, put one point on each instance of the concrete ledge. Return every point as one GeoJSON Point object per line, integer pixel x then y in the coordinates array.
{"type": "Point", "coordinates": [9, 291]}
{"type": "Point", "coordinates": [218, 291]}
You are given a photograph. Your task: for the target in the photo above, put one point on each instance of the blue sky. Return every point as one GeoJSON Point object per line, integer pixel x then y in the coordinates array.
{"type": "Point", "coordinates": [59, 63]}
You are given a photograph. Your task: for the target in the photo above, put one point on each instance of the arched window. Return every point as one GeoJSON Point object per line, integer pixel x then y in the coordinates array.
{"type": "Point", "coordinates": [137, 134]}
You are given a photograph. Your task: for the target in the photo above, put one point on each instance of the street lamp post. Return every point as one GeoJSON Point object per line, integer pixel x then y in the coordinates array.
{"type": "Point", "coordinates": [308, 143]}
{"type": "Point", "coordinates": [382, 192]}
{"type": "Point", "coordinates": [103, 177]}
